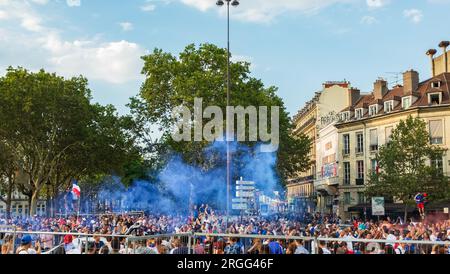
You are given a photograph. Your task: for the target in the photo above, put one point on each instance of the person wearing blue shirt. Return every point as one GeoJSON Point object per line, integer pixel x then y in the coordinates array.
{"type": "Point", "coordinates": [275, 247]}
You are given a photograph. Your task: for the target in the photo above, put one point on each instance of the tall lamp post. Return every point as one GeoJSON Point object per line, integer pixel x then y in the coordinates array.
{"type": "Point", "coordinates": [233, 3]}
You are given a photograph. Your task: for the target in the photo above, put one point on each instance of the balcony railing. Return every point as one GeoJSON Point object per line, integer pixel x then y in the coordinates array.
{"type": "Point", "coordinates": [326, 182]}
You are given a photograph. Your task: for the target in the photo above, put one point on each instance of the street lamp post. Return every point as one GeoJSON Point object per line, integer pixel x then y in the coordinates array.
{"type": "Point", "coordinates": [234, 3]}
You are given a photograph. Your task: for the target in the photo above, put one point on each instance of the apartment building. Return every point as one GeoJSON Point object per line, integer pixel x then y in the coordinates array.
{"type": "Point", "coordinates": [368, 124]}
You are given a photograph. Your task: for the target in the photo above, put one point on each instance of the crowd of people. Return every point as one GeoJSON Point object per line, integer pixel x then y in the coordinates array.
{"type": "Point", "coordinates": [279, 234]}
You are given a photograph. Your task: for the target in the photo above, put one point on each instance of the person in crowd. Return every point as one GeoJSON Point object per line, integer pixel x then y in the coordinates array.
{"type": "Point", "coordinates": [256, 248]}
{"type": "Point", "coordinates": [207, 220]}
{"type": "Point", "coordinates": [8, 245]}
{"type": "Point", "coordinates": [26, 247]}
{"type": "Point", "coordinates": [323, 249]}
{"type": "Point", "coordinates": [233, 247]}
{"type": "Point", "coordinates": [301, 248]}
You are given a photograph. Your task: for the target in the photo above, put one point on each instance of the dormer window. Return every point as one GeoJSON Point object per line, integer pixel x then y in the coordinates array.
{"type": "Point", "coordinates": [388, 106]}
{"type": "Point", "coordinates": [373, 110]}
{"type": "Point", "coordinates": [345, 116]}
{"type": "Point", "coordinates": [435, 98]}
{"type": "Point", "coordinates": [359, 113]}
{"type": "Point", "coordinates": [436, 84]}
{"type": "Point", "coordinates": [406, 102]}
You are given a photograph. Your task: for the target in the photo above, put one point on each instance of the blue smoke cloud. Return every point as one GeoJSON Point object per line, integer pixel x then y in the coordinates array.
{"type": "Point", "coordinates": [180, 184]}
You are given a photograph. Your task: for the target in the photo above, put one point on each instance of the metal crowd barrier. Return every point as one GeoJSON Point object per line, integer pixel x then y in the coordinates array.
{"type": "Point", "coordinates": [180, 243]}
{"type": "Point", "coordinates": [382, 246]}
{"type": "Point", "coordinates": [57, 240]}
{"type": "Point", "coordinates": [213, 243]}
{"type": "Point", "coordinates": [253, 244]}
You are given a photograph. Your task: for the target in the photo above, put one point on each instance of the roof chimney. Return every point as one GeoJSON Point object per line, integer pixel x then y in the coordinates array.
{"type": "Point", "coordinates": [443, 45]}
{"type": "Point", "coordinates": [410, 82]}
{"type": "Point", "coordinates": [380, 89]}
{"type": "Point", "coordinates": [353, 96]}
{"type": "Point", "coordinates": [431, 53]}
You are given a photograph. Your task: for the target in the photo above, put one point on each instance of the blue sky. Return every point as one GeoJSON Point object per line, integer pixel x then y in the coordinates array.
{"type": "Point", "coordinates": [295, 45]}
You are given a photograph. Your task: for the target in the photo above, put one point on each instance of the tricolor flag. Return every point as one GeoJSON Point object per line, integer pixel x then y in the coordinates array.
{"type": "Point", "coordinates": [76, 190]}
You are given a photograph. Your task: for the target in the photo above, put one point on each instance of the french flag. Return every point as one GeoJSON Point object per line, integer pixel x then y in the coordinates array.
{"type": "Point", "coordinates": [76, 190]}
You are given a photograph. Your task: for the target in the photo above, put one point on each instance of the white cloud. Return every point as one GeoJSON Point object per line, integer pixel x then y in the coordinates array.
{"type": "Point", "coordinates": [374, 4]}
{"type": "Point", "coordinates": [264, 11]}
{"type": "Point", "coordinates": [126, 26]}
{"type": "Point", "coordinates": [21, 13]}
{"type": "Point", "coordinates": [44, 47]}
{"type": "Point", "coordinates": [414, 15]}
{"type": "Point", "coordinates": [73, 3]}
{"type": "Point", "coordinates": [368, 20]}
{"type": "Point", "coordinates": [40, 2]}
{"type": "Point", "coordinates": [114, 62]}
{"type": "Point", "coordinates": [148, 6]}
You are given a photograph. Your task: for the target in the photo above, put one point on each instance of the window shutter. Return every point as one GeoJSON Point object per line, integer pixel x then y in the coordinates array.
{"type": "Point", "coordinates": [373, 137]}
{"type": "Point", "coordinates": [436, 130]}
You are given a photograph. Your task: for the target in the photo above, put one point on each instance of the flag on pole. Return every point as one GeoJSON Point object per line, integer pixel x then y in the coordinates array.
{"type": "Point", "coordinates": [76, 190]}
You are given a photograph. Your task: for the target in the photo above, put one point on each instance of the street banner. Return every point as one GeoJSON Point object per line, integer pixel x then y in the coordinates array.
{"type": "Point", "coordinates": [378, 206]}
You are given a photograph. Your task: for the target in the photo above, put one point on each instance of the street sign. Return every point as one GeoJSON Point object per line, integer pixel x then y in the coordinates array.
{"type": "Point", "coordinates": [446, 210]}
{"type": "Point", "coordinates": [245, 183]}
{"type": "Point", "coordinates": [245, 188]}
{"type": "Point", "coordinates": [378, 206]}
{"type": "Point", "coordinates": [239, 207]}
{"type": "Point", "coordinates": [239, 200]}
{"type": "Point", "coordinates": [245, 194]}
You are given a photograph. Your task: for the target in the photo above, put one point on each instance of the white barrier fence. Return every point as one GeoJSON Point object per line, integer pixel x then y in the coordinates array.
{"type": "Point", "coordinates": [207, 243]}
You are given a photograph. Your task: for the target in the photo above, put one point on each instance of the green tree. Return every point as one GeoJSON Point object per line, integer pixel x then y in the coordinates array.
{"type": "Point", "coordinates": [55, 134]}
{"type": "Point", "coordinates": [404, 166]}
{"type": "Point", "coordinates": [201, 73]}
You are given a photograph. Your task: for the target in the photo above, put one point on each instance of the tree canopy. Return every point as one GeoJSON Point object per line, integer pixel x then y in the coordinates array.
{"type": "Point", "coordinates": [200, 72]}
{"type": "Point", "coordinates": [55, 133]}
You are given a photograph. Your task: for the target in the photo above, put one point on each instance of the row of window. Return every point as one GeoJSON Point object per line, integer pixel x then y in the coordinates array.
{"type": "Point", "coordinates": [436, 130]}
{"type": "Point", "coordinates": [433, 99]}
{"type": "Point", "coordinates": [437, 163]}
{"type": "Point", "coordinates": [22, 210]}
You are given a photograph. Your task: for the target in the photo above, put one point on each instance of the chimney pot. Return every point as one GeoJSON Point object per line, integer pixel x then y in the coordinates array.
{"type": "Point", "coordinates": [444, 45]}
{"type": "Point", "coordinates": [431, 53]}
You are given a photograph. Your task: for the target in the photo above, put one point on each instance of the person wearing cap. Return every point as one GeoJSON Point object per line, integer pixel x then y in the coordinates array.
{"type": "Point", "coordinates": [26, 246]}
{"type": "Point", "coordinates": [68, 245]}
